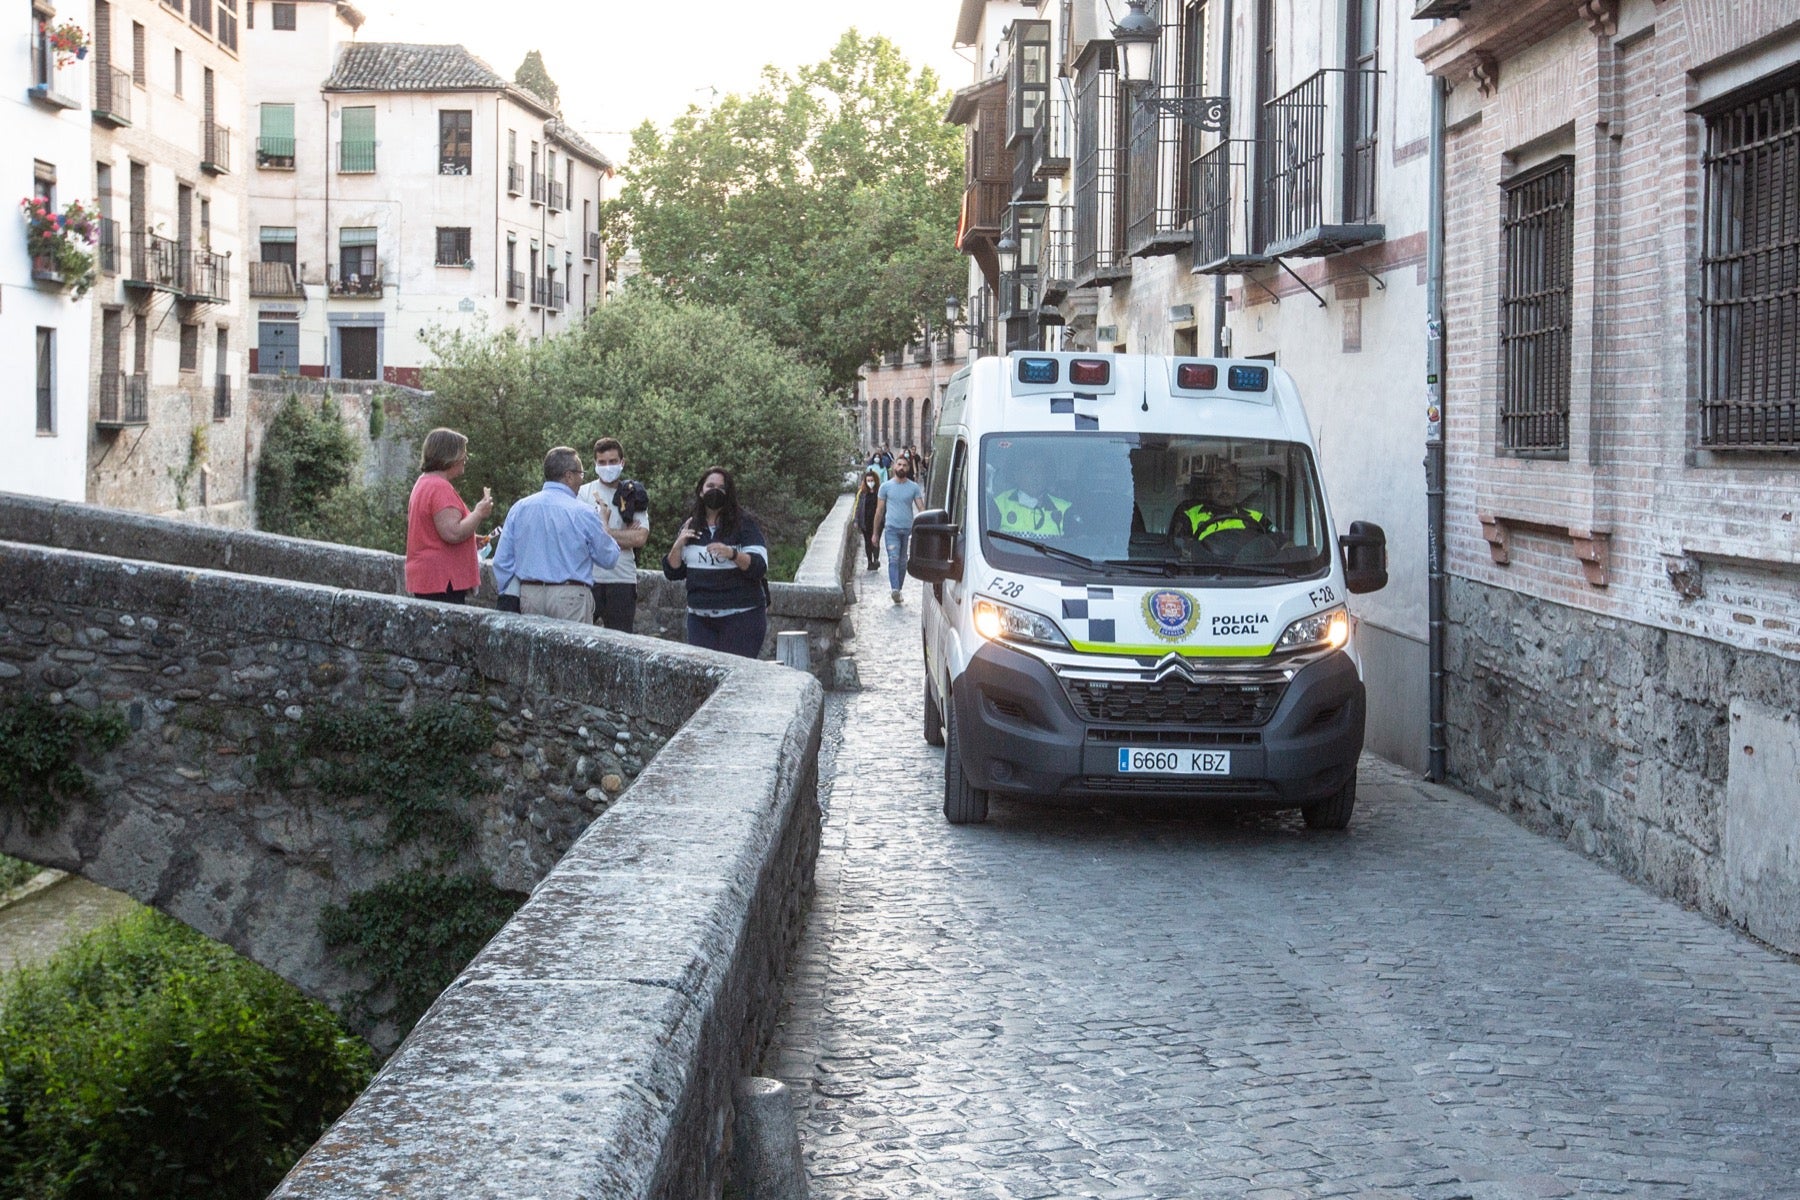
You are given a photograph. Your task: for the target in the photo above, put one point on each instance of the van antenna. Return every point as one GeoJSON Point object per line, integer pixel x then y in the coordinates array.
{"type": "Point", "coordinates": [1146, 404]}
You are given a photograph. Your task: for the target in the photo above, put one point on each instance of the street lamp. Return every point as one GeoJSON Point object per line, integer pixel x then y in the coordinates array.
{"type": "Point", "coordinates": [1007, 251]}
{"type": "Point", "coordinates": [1134, 41]}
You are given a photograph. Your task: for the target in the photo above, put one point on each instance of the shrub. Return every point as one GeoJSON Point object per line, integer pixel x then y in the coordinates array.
{"type": "Point", "coordinates": [41, 769]}
{"type": "Point", "coordinates": [14, 872]}
{"type": "Point", "coordinates": [144, 1060]}
{"type": "Point", "coordinates": [307, 456]}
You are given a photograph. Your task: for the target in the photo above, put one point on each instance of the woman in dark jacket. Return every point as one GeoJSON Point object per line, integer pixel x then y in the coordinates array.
{"type": "Point", "coordinates": [865, 516]}
{"type": "Point", "coordinates": [721, 554]}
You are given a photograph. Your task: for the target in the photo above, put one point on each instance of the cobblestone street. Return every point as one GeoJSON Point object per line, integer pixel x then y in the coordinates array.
{"type": "Point", "coordinates": [1141, 1002]}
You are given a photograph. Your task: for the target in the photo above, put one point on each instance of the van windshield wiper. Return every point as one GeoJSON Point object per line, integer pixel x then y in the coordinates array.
{"type": "Point", "coordinates": [1068, 556]}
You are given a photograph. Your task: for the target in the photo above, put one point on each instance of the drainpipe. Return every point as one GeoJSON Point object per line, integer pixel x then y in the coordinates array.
{"type": "Point", "coordinates": [1218, 348]}
{"type": "Point", "coordinates": [1434, 430]}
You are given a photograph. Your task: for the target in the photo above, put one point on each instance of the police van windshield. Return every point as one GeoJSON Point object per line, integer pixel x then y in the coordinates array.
{"type": "Point", "coordinates": [1205, 509]}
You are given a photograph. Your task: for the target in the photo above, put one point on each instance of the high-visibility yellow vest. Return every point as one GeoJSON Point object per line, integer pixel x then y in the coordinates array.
{"type": "Point", "coordinates": [1205, 523]}
{"type": "Point", "coordinates": [1046, 520]}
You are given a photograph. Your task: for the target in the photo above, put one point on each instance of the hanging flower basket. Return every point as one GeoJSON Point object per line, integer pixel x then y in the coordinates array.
{"type": "Point", "coordinates": [68, 40]}
{"type": "Point", "coordinates": [58, 242]}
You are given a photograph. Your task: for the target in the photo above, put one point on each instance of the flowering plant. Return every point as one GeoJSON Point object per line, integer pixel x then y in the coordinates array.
{"type": "Point", "coordinates": [55, 239]}
{"type": "Point", "coordinates": [69, 40]}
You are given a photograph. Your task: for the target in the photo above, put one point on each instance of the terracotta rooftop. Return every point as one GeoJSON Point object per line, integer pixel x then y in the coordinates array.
{"type": "Point", "coordinates": [409, 67]}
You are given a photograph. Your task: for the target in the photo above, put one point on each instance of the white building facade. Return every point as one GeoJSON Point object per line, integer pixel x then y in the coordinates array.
{"type": "Point", "coordinates": [45, 134]}
{"type": "Point", "coordinates": [1262, 193]}
{"type": "Point", "coordinates": [403, 188]}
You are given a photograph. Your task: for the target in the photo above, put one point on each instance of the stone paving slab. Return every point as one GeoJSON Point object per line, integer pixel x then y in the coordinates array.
{"type": "Point", "coordinates": [1136, 1001]}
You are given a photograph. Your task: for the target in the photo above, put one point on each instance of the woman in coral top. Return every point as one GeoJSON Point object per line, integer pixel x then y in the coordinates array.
{"type": "Point", "coordinates": [440, 528]}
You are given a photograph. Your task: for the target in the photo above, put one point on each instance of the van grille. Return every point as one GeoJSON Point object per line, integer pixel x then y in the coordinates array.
{"type": "Point", "coordinates": [1175, 701]}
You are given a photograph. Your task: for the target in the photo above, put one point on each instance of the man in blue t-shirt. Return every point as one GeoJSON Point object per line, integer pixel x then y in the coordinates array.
{"type": "Point", "coordinates": [898, 501]}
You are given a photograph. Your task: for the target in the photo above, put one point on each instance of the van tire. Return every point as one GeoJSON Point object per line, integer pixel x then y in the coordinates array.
{"type": "Point", "coordinates": [963, 804]}
{"type": "Point", "coordinates": [1333, 813]}
{"type": "Point", "coordinates": [934, 717]}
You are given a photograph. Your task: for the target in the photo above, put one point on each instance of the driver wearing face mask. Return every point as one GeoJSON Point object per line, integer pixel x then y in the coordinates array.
{"type": "Point", "coordinates": [615, 587]}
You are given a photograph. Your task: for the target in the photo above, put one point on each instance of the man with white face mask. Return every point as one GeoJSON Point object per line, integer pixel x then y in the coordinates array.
{"type": "Point", "coordinates": [615, 587]}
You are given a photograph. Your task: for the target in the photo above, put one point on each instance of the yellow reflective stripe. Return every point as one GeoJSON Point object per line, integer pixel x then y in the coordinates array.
{"type": "Point", "coordinates": [1183, 651]}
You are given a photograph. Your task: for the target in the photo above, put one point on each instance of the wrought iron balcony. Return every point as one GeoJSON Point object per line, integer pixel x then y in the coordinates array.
{"type": "Point", "coordinates": [515, 286]}
{"type": "Point", "coordinates": [208, 279]}
{"type": "Point", "coordinates": [215, 159]}
{"type": "Point", "coordinates": [593, 246]}
{"type": "Point", "coordinates": [108, 246]}
{"type": "Point", "coordinates": [1050, 156]}
{"type": "Point", "coordinates": [350, 280]}
{"type": "Point", "coordinates": [540, 291]}
{"type": "Point", "coordinates": [275, 153]}
{"type": "Point", "coordinates": [275, 280]}
{"type": "Point", "coordinates": [50, 80]}
{"type": "Point", "coordinates": [156, 262]}
{"type": "Point", "coordinates": [356, 158]}
{"type": "Point", "coordinates": [515, 178]}
{"type": "Point", "coordinates": [1316, 166]}
{"type": "Point", "coordinates": [556, 195]}
{"type": "Point", "coordinates": [221, 397]}
{"type": "Point", "coordinates": [112, 95]}
{"type": "Point", "coordinates": [1222, 211]}
{"type": "Point", "coordinates": [557, 297]}
{"type": "Point", "coordinates": [1057, 266]}
{"type": "Point", "coordinates": [124, 400]}
{"type": "Point", "coordinates": [537, 189]}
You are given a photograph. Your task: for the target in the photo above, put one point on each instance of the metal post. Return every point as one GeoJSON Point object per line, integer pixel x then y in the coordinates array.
{"type": "Point", "coordinates": [791, 649]}
{"type": "Point", "coordinates": [1434, 433]}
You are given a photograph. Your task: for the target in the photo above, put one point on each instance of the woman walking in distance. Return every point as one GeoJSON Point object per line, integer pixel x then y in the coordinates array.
{"type": "Point", "coordinates": [721, 554]}
{"type": "Point", "coordinates": [865, 517]}
{"type": "Point", "coordinates": [440, 528]}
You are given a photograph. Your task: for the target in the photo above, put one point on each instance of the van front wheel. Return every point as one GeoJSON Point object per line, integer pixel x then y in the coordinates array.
{"type": "Point", "coordinates": [963, 803]}
{"type": "Point", "coordinates": [934, 717]}
{"type": "Point", "coordinates": [1334, 812]}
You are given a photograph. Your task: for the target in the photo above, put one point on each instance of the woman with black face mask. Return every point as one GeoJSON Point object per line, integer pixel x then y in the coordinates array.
{"type": "Point", "coordinates": [721, 554]}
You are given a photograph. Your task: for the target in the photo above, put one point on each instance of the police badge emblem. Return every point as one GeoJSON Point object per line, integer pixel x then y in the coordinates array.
{"type": "Point", "coordinates": [1171, 615]}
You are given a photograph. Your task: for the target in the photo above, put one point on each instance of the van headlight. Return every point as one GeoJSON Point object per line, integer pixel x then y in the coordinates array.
{"type": "Point", "coordinates": [1328, 630]}
{"type": "Point", "coordinates": [1002, 622]}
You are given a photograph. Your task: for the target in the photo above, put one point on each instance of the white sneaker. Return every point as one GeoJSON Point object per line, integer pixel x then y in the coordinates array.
{"type": "Point", "coordinates": [896, 595]}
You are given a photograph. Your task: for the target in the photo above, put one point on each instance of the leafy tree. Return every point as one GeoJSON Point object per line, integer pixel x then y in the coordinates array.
{"type": "Point", "coordinates": [683, 386]}
{"type": "Point", "coordinates": [307, 455]}
{"type": "Point", "coordinates": [823, 207]}
{"type": "Point", "coordinates": [534, 77]}
{"type": "Point", "coordinates": [144, 1060]}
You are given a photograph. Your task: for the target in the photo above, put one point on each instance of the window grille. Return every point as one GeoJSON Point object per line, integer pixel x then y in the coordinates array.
{"type": "Point", "coordinates": [1099, 232]}
{"type": "Point", "coordinates": [282, 14]}
{"type": "Point", "coordinates": [456, 153]}
{"type": "Point", "coordinates": [1537, 265]}
{"type": "Point", "coordinates": [452, 247]}
{"type": "Point", "coordinates": [1750, 273]}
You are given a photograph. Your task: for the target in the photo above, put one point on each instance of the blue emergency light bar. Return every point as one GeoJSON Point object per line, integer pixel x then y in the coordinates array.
{"type": "Point", "coordinates": [1248, 379]}
{"type": "Point", "coordinates": [1037, 370]}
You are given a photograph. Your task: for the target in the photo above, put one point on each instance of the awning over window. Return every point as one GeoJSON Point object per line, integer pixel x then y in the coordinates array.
{"type": "Point", "coordinates": [353, 236]}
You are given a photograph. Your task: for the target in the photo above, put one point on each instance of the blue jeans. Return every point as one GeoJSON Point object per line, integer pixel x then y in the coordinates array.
{"type": "Point", "coordinates": [895, 542]}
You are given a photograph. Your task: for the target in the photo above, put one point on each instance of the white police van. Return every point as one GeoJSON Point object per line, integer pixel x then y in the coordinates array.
{"type": "Point", "coordinates": [1135, 588]}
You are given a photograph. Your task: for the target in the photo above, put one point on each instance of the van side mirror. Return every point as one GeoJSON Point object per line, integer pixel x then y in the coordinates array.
{"type": "Point", "coordinates": [933, 557]}
{"type": "Point", "coordinates": [1365, 557]}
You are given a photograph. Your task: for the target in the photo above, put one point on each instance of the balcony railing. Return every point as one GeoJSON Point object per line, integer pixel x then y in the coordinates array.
{"type": "Point", "coordinates": [124, 400]}
{"type": "Point", "coordinates": [556, 195]}
{"type": "Point", "coordinates": [515, 178]}
{"type": "Point", "coordinates": [540, 291]}
{"type": "Point", "coordinates": [156, 262]}
{"type": "Point", "coordinates": [208, 278]}
{"type": "Point", "coordinates": [1316, 169]}
{"type": "Point", "coordinates": [515, 286]}
{"type": "Point", "coordinates": [593, 246]}
{"type": "Point", "coordinates": [112, 95]}
{"type": "Point", "coordinates": [348, 280]}
{"type": "Point", "coordinates": [984, 209]}
{"type": "Point", "coordinates": [537, 189]}
{"type": "Point", "coordinates": [557, 297]}
{"type": "Point", "coordinates": [1057, 266]}
{"type": "Point", "coordinates": [1159, 191]}
{"type": "Point", "coordinates": [221, 397]}
{"type": "Point", "coordinates": [274, 280]}
{"type": "Point", "coordinates": [356, 158]}
{"type": "Point", "coordinates": [275, 153]}
{"type": "Point", "coordinates": [216, 158]}
{"type": "Point", "coordinates": [50, 81]}
{"type": "Point", "coordinates": [1222, 212]}
{"type": "Point", "coordinates": [108, 246]}
{"type": "Point", "coordinates": [1050, 153]}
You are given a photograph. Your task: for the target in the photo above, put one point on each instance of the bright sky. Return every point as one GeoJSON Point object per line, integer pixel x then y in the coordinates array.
{"type": "Point", "coordinates": [606, 58]}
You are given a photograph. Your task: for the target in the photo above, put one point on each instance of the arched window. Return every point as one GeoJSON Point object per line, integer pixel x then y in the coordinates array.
{"type": "Point", "coordinates": [925, 426]}
{"type": "Point", "coordinates": [911, 434]}
{"type": "Point", "coordinates": [886, 421]}
{"type": "Point", "coordinates": [873, 429]}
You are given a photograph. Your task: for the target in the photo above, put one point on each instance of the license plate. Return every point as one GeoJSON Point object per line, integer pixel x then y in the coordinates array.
{"type": "Point", "coordinates": [1133, 761]}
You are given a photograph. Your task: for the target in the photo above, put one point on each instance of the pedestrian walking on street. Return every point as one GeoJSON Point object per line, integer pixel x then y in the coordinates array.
{"type": "Point", "coordinates": [866, 501]}
{"type": "Point", "coordinates": [897, 503]}
{"type": "Point", "coordinates": [721, 554]}
{"type": "Point", "coordinates": [440, 528]}
{"type": "Point", "coordinates": [553, 543]}
{"type": "Point", "coordinates": [625, 511]}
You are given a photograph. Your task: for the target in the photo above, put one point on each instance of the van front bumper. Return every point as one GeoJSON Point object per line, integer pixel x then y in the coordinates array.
{"type": "Point", "coordinates": [1020, 733]}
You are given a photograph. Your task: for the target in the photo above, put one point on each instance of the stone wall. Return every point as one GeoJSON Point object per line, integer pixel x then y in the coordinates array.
{"type": "Point", "coordinates": [1668, 756]}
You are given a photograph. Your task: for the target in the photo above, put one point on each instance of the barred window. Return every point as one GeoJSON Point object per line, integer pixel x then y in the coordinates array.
{"type": "Point", "coordinates": [1536, 267]}
{"type": "Point", "coordinates": [1750, 273]}
{"type": "Point", "coordinates": [452, 247]}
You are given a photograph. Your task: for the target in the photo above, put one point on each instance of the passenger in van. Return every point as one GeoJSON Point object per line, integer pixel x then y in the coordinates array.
{"type": "Point", "coordinates": [1030, 511]}
{"type": "Point", "coordinates": [1220, 511]}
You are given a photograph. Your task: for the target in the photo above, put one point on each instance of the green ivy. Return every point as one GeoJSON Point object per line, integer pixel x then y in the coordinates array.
{"type": "Point", "coordinates": [413, 934]}
{"type": "Point", "coordinates": [307, 455]}
{"type": "Point", "coordinates": [14, 872]}
{"type": "Point", "coordinates": [144, 1060]}
{"type": "Point", "coordinates": [414, 767]}
{"type": "Point", "coordinates": [40, 772]}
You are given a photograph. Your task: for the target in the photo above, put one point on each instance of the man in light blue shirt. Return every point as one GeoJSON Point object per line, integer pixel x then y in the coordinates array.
{"type": "Point", "coordinates": [553, 543]}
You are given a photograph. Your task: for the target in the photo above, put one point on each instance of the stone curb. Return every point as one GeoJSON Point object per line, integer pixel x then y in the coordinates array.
{"type": "Point", "coordinates": [43, 881]}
